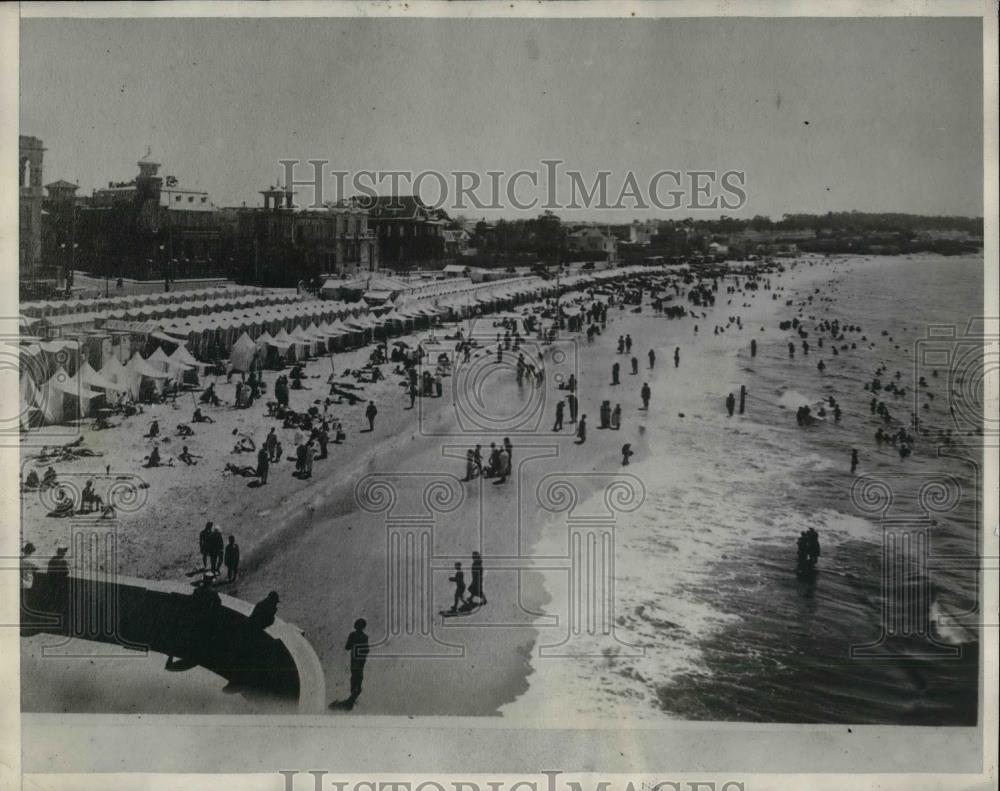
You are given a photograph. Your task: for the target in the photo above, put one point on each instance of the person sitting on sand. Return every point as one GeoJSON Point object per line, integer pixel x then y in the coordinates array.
{"type": "Point", "coordinates": [188, 457]}
{"type": "Point", "coordinates": [89, 498]}
{"type": "Point", "coordinates": [32, 483]}
{"type": "Point", "coordinates": [198, 417]}
{"type": "Point", "coordinates": [153, 459]}
{"type": "Point", "coordinates": [154, 429]}
{"type": "Point", "coordinates": [244, 444]}
{"type": "Point", "coordinates": [184, 430]}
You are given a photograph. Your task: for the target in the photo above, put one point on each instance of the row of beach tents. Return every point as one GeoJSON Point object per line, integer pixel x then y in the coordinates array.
{"type": "Point", "coordinates": [62, 397]}
{"type": "Point", "coordinates": [57, 307]}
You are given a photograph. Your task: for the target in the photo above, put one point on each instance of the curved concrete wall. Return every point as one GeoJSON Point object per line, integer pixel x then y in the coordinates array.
{"type": "Point", "coordinates": [163, 617]}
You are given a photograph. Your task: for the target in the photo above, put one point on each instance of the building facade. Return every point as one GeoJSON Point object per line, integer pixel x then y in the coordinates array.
{"type": "Point", "coordinates": [150, 228]}
{"type": "Point", "coordinates": [282, 245]}
{"type": "Point", "coordinates": [31, 154]}
{"type": "Point", "coordinates": [409, 233]}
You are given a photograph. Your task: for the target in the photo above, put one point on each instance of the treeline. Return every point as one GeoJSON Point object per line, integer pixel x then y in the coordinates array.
{"type": "Point", "coordinates": [861, 222]}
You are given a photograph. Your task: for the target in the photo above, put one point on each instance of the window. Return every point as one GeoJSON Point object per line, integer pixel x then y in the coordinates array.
{"type": "Point", "coordinates": [190, 198]}
{"type": "Point", "coordinates": [203, 200]}
{"type": "Point", "coordinates": [177, 198]}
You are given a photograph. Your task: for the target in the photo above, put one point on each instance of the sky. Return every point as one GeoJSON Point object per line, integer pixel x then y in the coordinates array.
{"type": "Point", "coordinates": [821, 114]}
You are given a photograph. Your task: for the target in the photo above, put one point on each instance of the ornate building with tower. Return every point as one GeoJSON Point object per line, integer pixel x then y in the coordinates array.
{"type": "Point", "coordinates": [31, 153]}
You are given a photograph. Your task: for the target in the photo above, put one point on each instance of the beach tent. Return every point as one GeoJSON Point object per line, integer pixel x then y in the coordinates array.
{"type": "Point", "coordinates": [66, 397]}
{"type": "Point", "coordinates": [94, 380]}
{"type": "Point", "coordinates": [29, 403]}
{"type": "Point", "coordinates": [144, 376]}
{"type": "Point", "coordinates": [241, 356]}
{"type": "Point", "coordinates": [182, 355]}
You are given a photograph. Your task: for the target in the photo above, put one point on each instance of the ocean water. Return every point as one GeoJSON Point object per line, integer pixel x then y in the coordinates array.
{"type": "Point", "coordinates": [706, 583]}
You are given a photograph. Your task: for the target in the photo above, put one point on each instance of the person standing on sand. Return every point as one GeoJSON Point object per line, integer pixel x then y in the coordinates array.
{"type": "Point", "coordinates": [470, 465]}
{"type": "Point", "coordinates": [263, 465]}
{"type": "Point", "coordinates": [628, 344]}
{"type": "Point", "coordinates": [204, 542]}
{"type": "Point", "coordinates": [271, 445]}
{"type": "Point", "coordinates": [645, 394]}
{"type": "Point", "coordinates": [581, 430]}
{"type": "Point", "coordinates": [677, 353]}
{"type": "Point", "coordinates": [574, 405]}
{"type": "Point", "coordinates": [635, 366]}
{"type": "Point", "coordinates": [560, 408]}
{"type": "Point", "coordinates": [476, 585]}
{"type": "Point", "coordinates": [357, 644]}
{"type": "Point", "coordinates": [370, 413]}
{"type": "Point", "coordinates": [231, 558]}
{"type": "Point", "coordinates": [730, 404]}
{"type": "Point", "coordinates": [854, 460]}
{"type": "Point", "coordinates": [216, 547]}
{"type": "Point", "coordinates": [616, 417]}
{"type": "Point", "coordinates": [652, 359]}
{"type": "Point", "coordinates": [614, 373]}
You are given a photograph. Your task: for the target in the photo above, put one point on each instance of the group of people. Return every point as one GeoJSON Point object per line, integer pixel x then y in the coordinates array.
{"type": "Point", "coordinates": [216, 553]}
{"type": "Point", "coordinates": [497, 465]}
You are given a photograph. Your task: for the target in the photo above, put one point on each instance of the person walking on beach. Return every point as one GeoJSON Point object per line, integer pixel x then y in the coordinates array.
{"type": "Point", "coordinates": [614, 373]}
{"type": "Point", "coordinates": [645, 394]}
{"type": "Point", "coordinates": [204, 544]}
{"type": "Point", "coordinates": [413, 395]}
{"type": "Point", "coordinates": [357, 644]}
{"type": "Point", "coordinates": [854, 460]}
{"type": "Point", "coordinates": [581, 430]}
{"type": "Point", "coordinates": [459, 579]}
{"type": "Point", "coordinates": [652, 359]}
{"type": "Point", "coordinates": [560, 407]}
{"type": "Point", "coordinates": [370, 413]}
{"type": "Point", "coordinates": [232, 559]}
{"type": "Point", "coordinates": [677, 353]}
{"type": "Point", "coordinates": [627, 453]}
{"type": "Point", "coordinates": [730, 404]}
{"type": "Point", "coordinates": [476, 590]}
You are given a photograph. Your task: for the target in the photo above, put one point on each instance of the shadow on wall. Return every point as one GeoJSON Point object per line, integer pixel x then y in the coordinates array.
{"type": "Point", "coordinates": [277, 662]}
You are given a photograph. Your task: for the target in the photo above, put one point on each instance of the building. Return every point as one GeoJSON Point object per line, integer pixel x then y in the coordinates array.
{"type": "Point", "coordinates": [60, 244]}
{"type": "Point", "coordinates": [592, 242]}
{"type": "Point", "coordinates": [409, 232]}
{"type": "Point", "coordinates": [282, 245]}
{"type": "Point", "coordinates": [456, 242]}
{"type": "Point", "coordinates": [31, 153]}
{"type": "Point", "coordinates": [150, 227]}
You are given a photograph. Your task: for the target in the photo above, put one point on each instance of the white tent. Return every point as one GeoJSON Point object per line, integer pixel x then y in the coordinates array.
{"type": "Point", "coordinates": [93, 379]}
{"type": "Point", "coordinates": [241, 356]}
{"type": "Point", "coordinates": [64, 393]}
{"type": "Point", "coordinates": [29, 401]}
